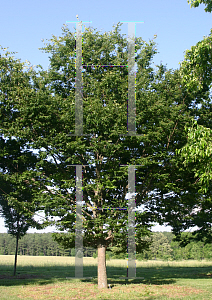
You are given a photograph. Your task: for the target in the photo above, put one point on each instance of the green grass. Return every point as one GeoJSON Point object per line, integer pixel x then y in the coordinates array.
{"type": "Point", "coordinates": [45, 278]}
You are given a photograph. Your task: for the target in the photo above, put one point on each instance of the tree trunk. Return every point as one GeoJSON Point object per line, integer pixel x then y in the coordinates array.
{"type": "Point", "coordinates": [102, 273]}
{"type": "Point", "coordinates": [16, 253]}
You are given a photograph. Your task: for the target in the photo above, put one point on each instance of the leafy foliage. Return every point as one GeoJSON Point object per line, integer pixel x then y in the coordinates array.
{"type": "Point", "coordinates": [196, 3]}
{"type": "Point", "coordinates": [38, 112]}
{"type": "Point", "coordinates": [196, 66]}
{"type": "Point", "coordinates": [18, 202]}
{"type": "Point", "coordinates": [45, 119]}
{"type": "Point", "coordinates": [199, 150]}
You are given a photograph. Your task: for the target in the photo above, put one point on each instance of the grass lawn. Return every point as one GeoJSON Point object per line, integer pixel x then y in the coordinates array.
{"type": "Point", "coordinates": [44, 277]}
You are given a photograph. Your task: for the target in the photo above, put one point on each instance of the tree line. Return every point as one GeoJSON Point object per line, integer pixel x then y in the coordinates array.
{"type": "Point", "coordinates": [163, 247]}
{"type": "Point", "coordinates": [36, 244]}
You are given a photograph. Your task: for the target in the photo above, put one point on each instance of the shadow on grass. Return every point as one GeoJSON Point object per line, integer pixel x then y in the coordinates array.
{"type": "Point", "coordinates": [52, 274]}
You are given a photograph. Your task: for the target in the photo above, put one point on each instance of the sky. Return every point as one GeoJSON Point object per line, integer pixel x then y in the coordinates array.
{"type": "Point", "coordinates": [24, 24]}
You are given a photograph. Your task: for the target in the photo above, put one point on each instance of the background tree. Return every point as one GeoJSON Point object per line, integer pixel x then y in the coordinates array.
{"type": "Point", "coordinates": [160, 247]}
{"type": "Point", "coordinates": [17, 163]}
{"type": "Point", "coordinates": [16, 222]}
{"type": "Point", "coordinates": [197, 153]}
{"type": "Point", "coordinates": [196, 3]}
{"type": "Point", "coordinates": [199, 150]}
{"type": "Point", "coordinates": [196, 72]}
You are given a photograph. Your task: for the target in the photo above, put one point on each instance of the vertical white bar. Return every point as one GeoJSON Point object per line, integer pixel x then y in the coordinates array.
{"type": "Point", "coordinates": [131, 223]}
{"type": "Point", "coordinates": [78, 82]}
{"type": "Point", "coordinates": [131, 79]}
{"type": "Point", "coordinates": [78, 229]}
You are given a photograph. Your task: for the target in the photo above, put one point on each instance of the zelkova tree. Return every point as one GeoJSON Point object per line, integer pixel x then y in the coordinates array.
{"type": "Point", "coordinates": [101, 151]}
{"type": "Point", "coordinates": [106, 149]}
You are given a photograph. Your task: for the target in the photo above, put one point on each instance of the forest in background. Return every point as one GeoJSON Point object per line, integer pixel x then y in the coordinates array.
{"type": "Point", "coordinates": [162, 247]}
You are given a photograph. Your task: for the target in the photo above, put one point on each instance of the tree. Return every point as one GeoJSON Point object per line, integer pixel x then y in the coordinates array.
{"type": "Point", "coordinates": [196, 3]}
{"type": "Point", "coordinates": [196, 153]}
{"type": "Point", "coordinates": [17, 163]}
{"type": "Point", "coordinates": [17, 205]}
{"type": "Point", "coordinates": [161, 115]}
{"type": "Point", "coordinates": [163, 108]}
{"type": "Point", "coordinates": [160, 247]}
{"type": "Point", "coordinates": [196, 66]}
{"type": "Point", "coordinates": [16, 223]}
{"type": "Point", "coordinates": [196, 74]}
{"type": "Point", "coordinates": [199, 150]}
{"type": "Point", "coordinates": [99, 121]}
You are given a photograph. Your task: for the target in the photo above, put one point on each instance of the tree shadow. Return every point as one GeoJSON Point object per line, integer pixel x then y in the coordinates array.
{"type": "Point", "coordinates": [152, 275]}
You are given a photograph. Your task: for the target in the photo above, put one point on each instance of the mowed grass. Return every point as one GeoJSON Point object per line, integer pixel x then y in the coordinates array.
{"type": "Point", "coordinates": [41, 277]}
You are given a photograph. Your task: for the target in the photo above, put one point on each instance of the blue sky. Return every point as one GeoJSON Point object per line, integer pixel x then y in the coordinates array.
{"type": "Point", "coordinates": [24, 23]}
